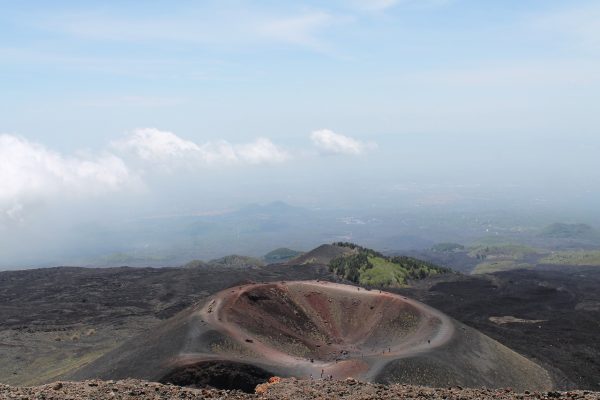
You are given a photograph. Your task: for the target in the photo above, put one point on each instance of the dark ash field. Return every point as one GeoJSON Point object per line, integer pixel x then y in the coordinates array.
{"type": "Point", "coordinates": [61, 323]}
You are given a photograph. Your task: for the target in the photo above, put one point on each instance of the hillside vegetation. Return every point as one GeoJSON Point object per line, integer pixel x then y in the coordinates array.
{"type": "Point", "coordinates": [370, 268]}
{"type": "Point", "coordinates": [232, 260]}
{"type": "Point", "coordinates": [489, 267]}
{"type": "Point", "coordinates": [506, 251]}
{"type": "Point", "coordinates": [574, 258]}
{"type": "Point", "coordinates": [235, 260]}
{"type": "Point", "coordinates": [502, 257]}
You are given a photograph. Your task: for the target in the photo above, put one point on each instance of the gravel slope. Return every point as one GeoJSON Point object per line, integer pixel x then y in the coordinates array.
{"type": "Point", "coordinates": [285, 389]}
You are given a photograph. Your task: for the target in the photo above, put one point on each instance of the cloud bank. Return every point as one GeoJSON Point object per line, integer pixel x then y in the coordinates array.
{"type": "Point", "coordinates": [329, 142]}
{"type": "Point", "coordinates": [29, 173]}
{"type": "Point", "coordinates": [32, 174]}
{"type": "Point", "coordinates": [163, 147]}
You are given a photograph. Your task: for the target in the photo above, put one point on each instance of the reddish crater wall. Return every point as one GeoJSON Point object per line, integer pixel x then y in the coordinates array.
{"type": "Point", "coordinates": [322, 322]}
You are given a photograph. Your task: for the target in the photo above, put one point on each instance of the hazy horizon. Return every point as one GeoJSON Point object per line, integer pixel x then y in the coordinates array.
{"type": "Point", "coordinates": [113, 112]}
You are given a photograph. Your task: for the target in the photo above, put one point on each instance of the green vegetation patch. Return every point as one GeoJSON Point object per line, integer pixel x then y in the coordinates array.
{"type": "Point", "coordinates": [503, 257]}
{"type": "Point", "coordinates": [370, 268]}
{"type": "Point", "coordinates": [497, 266]}
{"type": "Point", "coordinates": [236, 261]}
{"type": "Point", "coordinates": [574, 258]}
{"type": "Point", "coordinates": [382, 273]}
{"type": "Point", "coordinates": [502, 252]}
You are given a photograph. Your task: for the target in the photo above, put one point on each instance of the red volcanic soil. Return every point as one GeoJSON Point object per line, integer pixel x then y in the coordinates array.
{"type": "Point", "coordinates": [326, 328]}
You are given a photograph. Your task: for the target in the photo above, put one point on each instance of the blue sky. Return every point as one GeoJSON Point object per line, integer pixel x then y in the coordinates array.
{"type": "Point", "coordinates": [123, 98]}
{"type": "Point", "coordinates": [77, 74]}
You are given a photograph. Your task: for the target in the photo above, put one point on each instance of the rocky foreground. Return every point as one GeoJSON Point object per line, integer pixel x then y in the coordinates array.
{"type": "Point", "coordinates": [276, 389]}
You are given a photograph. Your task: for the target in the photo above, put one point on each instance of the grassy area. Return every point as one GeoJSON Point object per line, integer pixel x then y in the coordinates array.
{"type": "Point", "coordinates": [497, 266]}
{"type": "Point", "coordinates": [236, 261]}
{"type": "Point", "coordinates": [502, 252]}
{"type": "Point", "coordinates": [370, 268]}
{"type": "Point", "coordinates": [574, 258]}
{"type": "Point", "coordinates": [383, 273]}
{"type": "Point", "coordinates": [502, 257]}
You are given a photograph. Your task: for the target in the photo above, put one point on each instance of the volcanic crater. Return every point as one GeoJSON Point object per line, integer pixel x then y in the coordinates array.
{"type": "Point", "coordinates": [316, 329]}
{"type": "Point", "coordinates": [325, 327]}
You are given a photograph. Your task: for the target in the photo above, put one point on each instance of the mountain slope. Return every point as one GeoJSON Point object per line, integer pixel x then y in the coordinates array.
{"type": "Point", "coordinates": [370, 268]}
{"type": "Point", "coordinates": [281, 254]}
{"type": "Point", "coordinates": [321, 255]}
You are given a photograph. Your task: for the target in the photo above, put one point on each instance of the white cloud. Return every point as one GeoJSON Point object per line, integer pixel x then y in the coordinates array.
{"type": "Point", "coordinates": [31, 173]}
{"type": "Point", "coordinates": [330, 142]}
{"type": "Point", "coordinates": [261, 151]}
{"type": "Point", "coordinates": [220, 152]}
{"type": "Point", "coordinates": [166, 148]}
{"type": "Point", "coordinates": [154, 145]}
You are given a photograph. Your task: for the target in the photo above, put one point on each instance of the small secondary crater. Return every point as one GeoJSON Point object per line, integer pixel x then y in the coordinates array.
{"type": "Point", "coordinates": [218, 374]}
